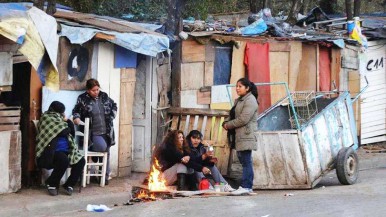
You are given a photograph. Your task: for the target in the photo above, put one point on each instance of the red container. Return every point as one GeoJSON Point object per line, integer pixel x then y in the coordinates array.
{"type": "Point", "coordinates": [204, 184]}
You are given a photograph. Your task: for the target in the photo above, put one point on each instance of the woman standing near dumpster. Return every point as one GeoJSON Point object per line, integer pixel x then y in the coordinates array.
{"type": "Point", "coordinates": [241, 126]}
{"type": "Point", "coordinates": [101, 110]}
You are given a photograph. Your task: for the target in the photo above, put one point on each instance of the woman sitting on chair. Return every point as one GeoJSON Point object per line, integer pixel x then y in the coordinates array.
{"type": "Point", "coordinates": [57, 150]}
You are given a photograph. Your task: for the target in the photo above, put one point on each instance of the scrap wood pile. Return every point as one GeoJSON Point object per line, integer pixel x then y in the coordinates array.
{"type": "Point", "coordinates": [316, 25]}
{"type": "Point", "coordinates": [142, 194]}
{"type": "Point", "coordinates": [376, 148]}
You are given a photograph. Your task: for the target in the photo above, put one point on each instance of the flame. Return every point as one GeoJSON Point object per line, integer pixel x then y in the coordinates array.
{"type": "Point", "coordinates": [152, 196]}
{"type": "Point", "coordinates": [156, 182]}
{"type": "Point", "coordinates": [142, 195]}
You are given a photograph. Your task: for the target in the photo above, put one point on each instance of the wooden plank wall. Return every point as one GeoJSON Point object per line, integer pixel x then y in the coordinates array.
{"type": "Point", "coordinates": [128, 80]}
{"type": "Point", "coordinates": [307, 77]}
{"type": "Point", "coordinates": [196, 72]}
{"type": "Point", "coordinates": [34, 114]}
{"type": "Point", "coordinates": [208, 122]}
{"type": "Point", "coordinates": [10, 163]}
{"type": "Point", "coordinates": [9, 118]}
{"type": "Point", "coordinates": [279, 56]}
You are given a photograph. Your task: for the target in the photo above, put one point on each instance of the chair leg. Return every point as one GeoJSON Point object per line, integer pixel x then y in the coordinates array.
{"type": "Point", "coordinates": [84, 175]}
{"type": "Point", "coordinates": [88, 171]}
{"type": "Point", "coordinates": [103, 178]}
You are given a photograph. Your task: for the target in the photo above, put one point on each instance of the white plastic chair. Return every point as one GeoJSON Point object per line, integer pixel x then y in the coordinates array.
{"type": "Point", "coordinates": [87, 172]}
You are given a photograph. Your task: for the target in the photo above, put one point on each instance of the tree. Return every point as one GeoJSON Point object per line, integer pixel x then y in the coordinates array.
{"type": "Point", "coordinates": [51, 6]}
{"type": "Point", "coordinates": [173, 27]}
{"type": "Point", "coordinates": [256, 5]}
{"type": "Point", "coordinates": [39, 4]}
{"type": "Point", "coordinates": [293, 11]}
{"type": "Point", "coordinates": [349, 9]}
{"type": "Point", "coordinates": [357, 8]}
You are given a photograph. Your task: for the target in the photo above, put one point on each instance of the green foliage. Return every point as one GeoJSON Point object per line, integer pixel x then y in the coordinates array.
{"type": "Point", "coordinates": [200, 9]}
{"type": "Point", "coordinates": [154, 10]}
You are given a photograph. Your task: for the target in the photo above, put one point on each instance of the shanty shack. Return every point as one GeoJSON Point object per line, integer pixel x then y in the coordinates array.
{"type": "Point", "coordinates": [316, 62]}
{"type": "Point", "coordinates": [50, 58]}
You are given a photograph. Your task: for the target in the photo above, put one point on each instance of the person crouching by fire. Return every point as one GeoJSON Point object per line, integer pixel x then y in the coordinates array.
{"type": "Point", "coordinates": [174, 160]}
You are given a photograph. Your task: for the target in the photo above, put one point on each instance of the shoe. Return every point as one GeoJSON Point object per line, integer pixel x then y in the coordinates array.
{"type": "Point", "coordinates": [106, 182]}
{"type": "Point", "coordinates": [242, 191]}
{"type": "Point", "coordinates": [68, 190]}
{"type": "Point", "coordinates": [228, 188]}
{"type": "Point", "coordinates": [52, 190]}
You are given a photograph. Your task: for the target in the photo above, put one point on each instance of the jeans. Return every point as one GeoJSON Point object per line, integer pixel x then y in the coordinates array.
{"type": "Point", "coordinates": [245, 158]}
{"type": "Point", "coordinates": [217, 177]}
{"type": "Point", "coordinates": [99, 144]}
{"type": "Point", "coordinates": [170, 175]}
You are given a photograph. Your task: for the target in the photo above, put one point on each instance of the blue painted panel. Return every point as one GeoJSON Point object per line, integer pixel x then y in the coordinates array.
{"type": "Point", "coordinates": [124, 58]}
{"type": "Point", "coordinates": [322, 141]}
{"type": "Point", "coordinates": [222, 65]}
{"type": "Point", "coordinates": [353, 126]}
{"type": "Point", "coordinates": [346, 131]}
{"type": "Point", "coordinates": [311, 153]}
{"type": "Point", "coordinates": [333, 131]}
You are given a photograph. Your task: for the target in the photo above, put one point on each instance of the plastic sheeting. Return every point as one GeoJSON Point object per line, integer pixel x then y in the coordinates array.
{"type": "Point", "coordinates": [324, 69]}
{"type": "Point", "coordinates": [257, 62]}
{"type": "Point", "coordinates": [47, 28]}
{"type": "Point", "coordinates": [142, 43]}
{"type": "Point", "coordinates": [17, 26]}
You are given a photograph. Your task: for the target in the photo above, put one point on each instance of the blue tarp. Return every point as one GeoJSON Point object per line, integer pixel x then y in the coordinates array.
{"type": "Point", "coordinates": [143, 43]}
{"type": "Point", "coordinates": [222, 65]}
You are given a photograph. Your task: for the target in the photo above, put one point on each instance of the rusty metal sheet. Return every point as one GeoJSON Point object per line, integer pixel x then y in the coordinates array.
{"type": "Point", "coordinates": [298, 159]}
{"type": "Point", "coordinates": [311, 153]}
{"type": "Point", "coordinates": [323, 143]}
{"type": "Point", "coordinates": [103, 22]}
{"type": "Point", "coordinates": [278, 162]}
{"type": "Point", "coordinates": [73, 15]}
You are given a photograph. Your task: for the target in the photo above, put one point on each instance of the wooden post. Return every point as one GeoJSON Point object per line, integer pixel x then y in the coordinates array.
{"type": "Point", "coordinates": [349, 9]}
{"type": "Point", "coordinates": [173, 27]}
{"type": "Point", "coordinates": [51, 7]}
{"type": "Point", "coordinates": [357, 8]}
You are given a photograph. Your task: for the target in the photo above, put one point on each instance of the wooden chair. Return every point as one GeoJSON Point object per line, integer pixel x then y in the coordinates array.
{"type": "Point", "coordinates": [87, 171]}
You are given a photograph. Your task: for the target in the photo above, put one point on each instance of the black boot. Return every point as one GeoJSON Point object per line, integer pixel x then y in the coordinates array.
{"type": "Point", "coordinates": [181, 179]}
{"type": "Point", "coordinates": [191, 181]}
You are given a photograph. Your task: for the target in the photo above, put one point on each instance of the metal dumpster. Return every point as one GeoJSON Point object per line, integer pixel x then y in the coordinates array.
{"type": "Point", "coordinates": [295, 152]}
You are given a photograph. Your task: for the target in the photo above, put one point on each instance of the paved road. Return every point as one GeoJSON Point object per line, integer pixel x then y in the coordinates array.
{"type": "Point", "coordinates": [366, 198]}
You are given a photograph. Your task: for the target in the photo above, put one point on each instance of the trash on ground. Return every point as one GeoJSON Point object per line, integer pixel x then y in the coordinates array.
{"type": "Point", "coordinates": [97, 208]}
{"type": "Point", "coordinates": [288, 194]}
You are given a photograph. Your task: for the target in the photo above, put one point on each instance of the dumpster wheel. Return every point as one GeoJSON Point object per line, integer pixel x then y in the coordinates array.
{"type": "Point", "coordinates": [347, 165]}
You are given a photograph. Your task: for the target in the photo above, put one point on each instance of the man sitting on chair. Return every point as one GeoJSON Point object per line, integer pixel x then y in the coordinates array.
{"type": "Point", "coordinates": [57, 150]}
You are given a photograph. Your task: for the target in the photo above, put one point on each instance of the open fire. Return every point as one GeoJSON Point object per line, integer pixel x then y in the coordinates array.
{"type": "Point", "coordinates": [156, 187]}
{"type": "Point", "coordinates": [156, 182]}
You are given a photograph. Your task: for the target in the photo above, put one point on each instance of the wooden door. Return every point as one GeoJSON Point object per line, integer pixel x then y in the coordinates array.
{"type": "Point", "coordinates": [142, 116]}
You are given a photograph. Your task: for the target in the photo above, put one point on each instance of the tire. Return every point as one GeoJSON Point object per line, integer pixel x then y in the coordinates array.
{"type": "Point", "coordinates": [347, 166]}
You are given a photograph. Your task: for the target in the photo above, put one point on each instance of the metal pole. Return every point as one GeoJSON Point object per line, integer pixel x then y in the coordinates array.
{"type": "Point", "coordinates": [271, 83]}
